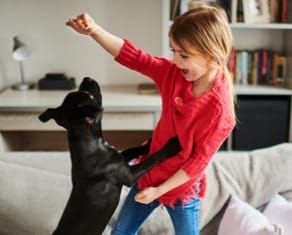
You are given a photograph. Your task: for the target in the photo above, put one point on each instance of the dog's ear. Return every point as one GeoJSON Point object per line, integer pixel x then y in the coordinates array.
{"type": "Point", "coordinates": [47, 115]}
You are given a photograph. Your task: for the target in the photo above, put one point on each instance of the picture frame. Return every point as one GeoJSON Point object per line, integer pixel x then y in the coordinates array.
{"type": "Point", "coordinates": [256, 11]}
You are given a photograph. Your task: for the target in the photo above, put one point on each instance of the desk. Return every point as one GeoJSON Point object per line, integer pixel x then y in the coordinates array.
{"type": "Point", "coordinates": [129, 118]}
{"type": "Point", "coordinates": [125, 112]}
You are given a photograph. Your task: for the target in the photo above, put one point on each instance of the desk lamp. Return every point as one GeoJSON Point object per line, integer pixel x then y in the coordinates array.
{"type": "Point", "coordinates": [20, 53]}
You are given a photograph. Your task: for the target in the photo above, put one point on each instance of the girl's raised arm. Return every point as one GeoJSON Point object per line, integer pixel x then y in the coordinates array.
{"type": "Point", "coordinates": [84, 24]}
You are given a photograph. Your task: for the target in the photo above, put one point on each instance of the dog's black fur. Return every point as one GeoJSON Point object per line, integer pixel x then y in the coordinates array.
{"type": "Point", "coordinates": [98, 170]}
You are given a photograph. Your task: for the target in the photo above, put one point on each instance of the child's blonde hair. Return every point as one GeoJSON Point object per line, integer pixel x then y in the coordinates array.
{"type": "Point", "coordinates": [205, 27]}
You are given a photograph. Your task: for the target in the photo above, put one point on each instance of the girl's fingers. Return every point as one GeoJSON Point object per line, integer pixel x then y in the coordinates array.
{"type": "Point", "coordinates": [70, 22]}
{"type": "Point", "coordinates": [81, 23]}
{"type": "Point", "coordinates": [139, 196]}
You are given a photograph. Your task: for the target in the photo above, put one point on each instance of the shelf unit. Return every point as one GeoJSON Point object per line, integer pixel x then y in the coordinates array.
{"type": "Point", "coordinates": [275, 36]}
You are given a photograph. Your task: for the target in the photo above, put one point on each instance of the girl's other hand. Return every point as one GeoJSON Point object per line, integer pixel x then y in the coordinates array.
{"type": "Point", "coordinates": [82, 24]}
{"type": "Point", "coordinates": [147, 195]}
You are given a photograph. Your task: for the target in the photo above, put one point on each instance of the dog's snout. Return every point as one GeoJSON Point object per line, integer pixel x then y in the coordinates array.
{"type": "Point", "coordinates": [88, 81]}
{"type": "Point", "coordinates": [92, 87]}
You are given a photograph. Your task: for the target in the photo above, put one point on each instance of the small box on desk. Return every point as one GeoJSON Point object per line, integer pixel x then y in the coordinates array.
{"type": "Point", "coordinates": [56, 81]}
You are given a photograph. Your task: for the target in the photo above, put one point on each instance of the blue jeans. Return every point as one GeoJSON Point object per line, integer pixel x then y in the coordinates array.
{"type": "Point", "coordinates": [185, 218]}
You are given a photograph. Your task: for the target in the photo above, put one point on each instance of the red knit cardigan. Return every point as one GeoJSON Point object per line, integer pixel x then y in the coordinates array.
{"type": "Point", "coordinates": [201, 123]}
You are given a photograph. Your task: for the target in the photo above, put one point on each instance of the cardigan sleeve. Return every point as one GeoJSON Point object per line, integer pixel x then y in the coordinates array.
{"type": "Point", "coordinates": [207, 145]}
{"type": "Point", "coordinates": [151, 66]}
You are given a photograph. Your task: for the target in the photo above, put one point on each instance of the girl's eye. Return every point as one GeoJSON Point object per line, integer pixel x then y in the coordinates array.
{"type": "Point", "coordinates": [184, 56]}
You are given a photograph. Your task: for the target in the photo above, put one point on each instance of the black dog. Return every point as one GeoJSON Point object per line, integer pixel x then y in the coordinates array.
{"type": "Point", "coordinates": [98, 170]}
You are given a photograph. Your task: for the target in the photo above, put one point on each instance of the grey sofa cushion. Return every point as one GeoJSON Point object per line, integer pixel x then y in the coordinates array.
{"type": "Point", "coordinates": [31, 200]}
{"type": "Point", "coordinates": [57, 162]}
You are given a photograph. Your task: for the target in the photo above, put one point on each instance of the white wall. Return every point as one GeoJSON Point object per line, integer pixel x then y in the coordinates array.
{"type": "Point", "coordinates": [56, 48]}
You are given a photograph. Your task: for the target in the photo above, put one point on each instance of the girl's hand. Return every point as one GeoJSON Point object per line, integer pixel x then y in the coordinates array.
{"type": "Point", "coordinates": [83, 24]}
{"type": "Point", "coordinates": [147, 195]}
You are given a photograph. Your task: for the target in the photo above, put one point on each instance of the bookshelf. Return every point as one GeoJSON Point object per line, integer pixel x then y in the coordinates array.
{"type": "Point", "coordinates": [254, 100]}
{"type": "Point", "coordinates": [247, 36]}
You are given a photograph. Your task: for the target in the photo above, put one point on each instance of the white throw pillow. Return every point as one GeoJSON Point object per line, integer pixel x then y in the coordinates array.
{"type": "Point", "coordinates": [242, 219]}
{"type": "Point", "coordinates": [279, 211]}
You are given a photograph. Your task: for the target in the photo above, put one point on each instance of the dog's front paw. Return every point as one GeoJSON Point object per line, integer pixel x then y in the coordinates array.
{"type": "Point", "coordinates": [172, 146]}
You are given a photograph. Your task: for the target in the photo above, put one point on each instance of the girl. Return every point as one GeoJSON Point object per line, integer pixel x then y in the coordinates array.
{"type": "Point", "coordinates": [197, 106]}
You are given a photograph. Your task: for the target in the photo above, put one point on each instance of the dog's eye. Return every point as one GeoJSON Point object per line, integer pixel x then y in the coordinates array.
{"type": "Point", "coordinates": [89, 120]}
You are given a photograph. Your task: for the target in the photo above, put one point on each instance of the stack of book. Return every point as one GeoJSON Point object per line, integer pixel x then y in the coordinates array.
{"type": "Point", "coordinates": [257, 67]}
{"type": "Point", "coordinates": [279, 11]}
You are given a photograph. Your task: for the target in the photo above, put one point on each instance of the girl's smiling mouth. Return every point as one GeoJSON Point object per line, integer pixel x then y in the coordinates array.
{"type": "Point", "coordinates": [185, 71]}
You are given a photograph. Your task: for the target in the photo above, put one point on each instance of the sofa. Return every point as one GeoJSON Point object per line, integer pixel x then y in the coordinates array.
{"type": "Point", "coordinates": [35, 187]}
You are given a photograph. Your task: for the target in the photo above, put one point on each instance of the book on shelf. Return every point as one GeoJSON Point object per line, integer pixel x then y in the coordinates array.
{"type": "Point", "coordinates": [279, 11]}
{"type": "Point", "coordinates": [284, 11]}
{"type": "Point", "coordinates": [257, 67]}
{"type": "Point", "coordinates": [275, 10]}
{"type": "Point", "coordinates": [232, 63]}
{"type": "Point", "coordinates": [234, 8]}
{"type": "Point", "coordinates": [279, 69]}
{"type": "Point", "coordinates": [238, 11]}
{"type": "Point", "coordinates": [174, 9]}
{"type": "Point", "coordinates": [242, 68]}
{"type": "Point", "coordinates": [178, 7]}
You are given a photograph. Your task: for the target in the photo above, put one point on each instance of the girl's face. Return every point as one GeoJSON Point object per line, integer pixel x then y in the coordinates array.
{"type": "Point", "coordinates": [193, 66]}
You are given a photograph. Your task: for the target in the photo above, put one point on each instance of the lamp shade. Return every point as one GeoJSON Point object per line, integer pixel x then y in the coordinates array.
{"type": "Point", "coordinates": [20, 51]}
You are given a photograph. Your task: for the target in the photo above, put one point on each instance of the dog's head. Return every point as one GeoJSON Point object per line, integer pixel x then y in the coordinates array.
{"type": "Point", "coordinates": [79, 107]}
